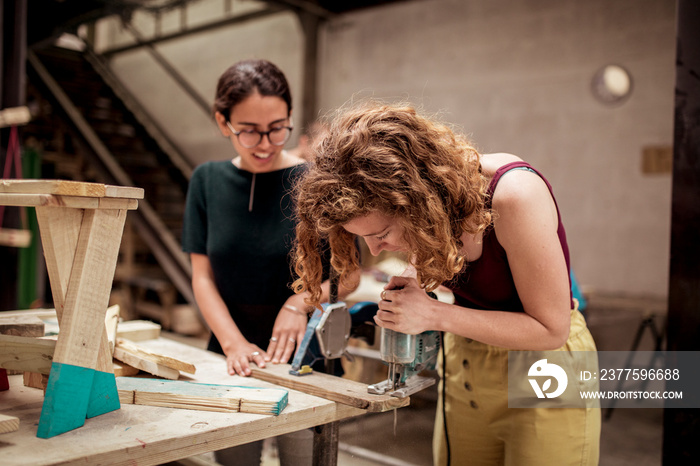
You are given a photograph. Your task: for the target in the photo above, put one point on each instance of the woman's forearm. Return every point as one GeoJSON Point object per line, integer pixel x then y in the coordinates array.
{"type": "Point", "coordinates": [513, 330]}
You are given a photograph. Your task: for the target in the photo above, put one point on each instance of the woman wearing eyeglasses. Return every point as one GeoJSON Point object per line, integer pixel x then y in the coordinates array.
{"type": "Point", "coordinates": [239, 231]}
{"type": "Point", "coordinates": [238, 223]}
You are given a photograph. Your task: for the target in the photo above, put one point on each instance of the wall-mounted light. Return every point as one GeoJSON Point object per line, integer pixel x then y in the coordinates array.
{"type": "Point", "coordinates": [612, 85]}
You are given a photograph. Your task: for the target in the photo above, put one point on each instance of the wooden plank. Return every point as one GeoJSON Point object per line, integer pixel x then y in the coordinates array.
{"type": "Point", "coordinates": [122, 369]}
{"type": "Point", "coordinates": [61, 187]}
{"type": "Point", "coordinates": [118, 203]}
{"type": "Point", "coordinates": [146, 365]}
{"type": "Point", "coordinates": [138, 330]}
{"type": "Point", "coordinates": [69, 188]}
{"type": "Point", "coordinates": [89, 285]}
{"type": "Point", "coordinates": [13, 116]}
{"type": "Point", "coordinates": [60, 231]}
{"type": "Point", "coordinates": [48, 200]}
{"type": "Point", "coordinates": [126, 346]}
{"type": "Point", "coordinates": [79, 384]}
{"type": "Point", "coordinates": [111, 324]}
{"type": "Point", "coordinates": [15, 238]}
{"type": "Point", "coordinates": [124, 191]}
{"type": "Point", "coordinates": [35, 380]}
{"type": "Point", "coordinates": [134, 330]}
{"type": "Point", "coordinates": [201, 396]}
{"type": "Point", "coordinates": [22, 326]}
{"type": "Point", "coordinates": [332, 388]}
{"type": "Point", "coordinates": [8, 423]}
{"type": "Point", "coordinates": [75, 202]}
{"type": "Point", "coordinates": [38, 313]}
{"type": "Point", "coordinates": [147, 435]}
{"type": "Point", "coordinates": [26, 353]}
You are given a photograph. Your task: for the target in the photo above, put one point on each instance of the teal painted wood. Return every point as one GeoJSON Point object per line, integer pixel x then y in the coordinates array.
{"type": "Point", "coordinates": [278, 397]}
{"type": "Point", "coordinates": [66, 400]}
{"type": "Point", "coordinates": [104, 396]}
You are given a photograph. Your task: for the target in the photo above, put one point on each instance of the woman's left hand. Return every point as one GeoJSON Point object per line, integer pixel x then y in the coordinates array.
{"type": "Point", "coordinates": [289, 329]}
{"type": "Point", "coordinates": [404, 306]}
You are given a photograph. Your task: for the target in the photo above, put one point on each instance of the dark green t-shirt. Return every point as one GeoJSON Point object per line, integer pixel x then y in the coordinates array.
{"type": "Point", "coordinates": [244, 223]}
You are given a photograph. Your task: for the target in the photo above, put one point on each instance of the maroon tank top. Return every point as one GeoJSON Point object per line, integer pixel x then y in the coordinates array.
{"type": "Point", "coordinates": [487, 283]}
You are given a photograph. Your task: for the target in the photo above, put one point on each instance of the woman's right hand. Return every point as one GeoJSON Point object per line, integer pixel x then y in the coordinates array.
{"type": "Point", "coordinates": [238, 359]}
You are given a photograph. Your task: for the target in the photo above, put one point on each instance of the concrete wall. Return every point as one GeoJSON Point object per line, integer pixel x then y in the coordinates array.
{"type": "Point", "coordinates": [515, 75]}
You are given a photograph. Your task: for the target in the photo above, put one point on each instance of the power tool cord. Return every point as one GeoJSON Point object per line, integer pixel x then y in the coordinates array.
{"type": "Point", "coordinates": [444, 385]}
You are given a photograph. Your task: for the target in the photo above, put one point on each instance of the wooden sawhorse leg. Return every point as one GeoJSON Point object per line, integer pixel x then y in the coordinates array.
{"type": "Point", "coordinates": [81, 248]}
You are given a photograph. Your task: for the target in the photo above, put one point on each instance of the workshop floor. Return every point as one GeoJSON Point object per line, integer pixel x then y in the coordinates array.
{"type": "Point", "coordinates": [629, 437]}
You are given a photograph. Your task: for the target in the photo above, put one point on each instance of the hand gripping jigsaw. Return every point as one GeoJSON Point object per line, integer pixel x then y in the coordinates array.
{"type": "Point", "coordinates": [406, 356]}
{"type": "Point", "coordinates": [329, 330]}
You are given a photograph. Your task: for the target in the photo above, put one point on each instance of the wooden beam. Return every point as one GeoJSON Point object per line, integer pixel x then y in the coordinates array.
{"type": "Point", "coordinates": [26, 353]}
{"type": "Point", "coordinates": [70, 188]}
{"type": "Point", "coordinates": [153, 363]}
{"type": "Point", "coordinates": [38, 313]}
{"type": "Point", "coordinates": [138, 330]}
{"type": "Point", "coordinates": [15, 237]}
{"type": "Point", "coordinates": [175, 363]}
{"type": "Point", "coordinates": [81, 383]}
{"type": "Point", "coordinates": [134, 330]}
{"type": "Point", "coordinates": [14, 116]}
{"type": "Point", "coordinates": [348, 392]}
{"type": "Point", "coordinates": [201, 396]}
{"type": "Point", "coordinates": [111, 324]}
{"type": "Point", "coordinates": [35, 380]}
{"type": "Point", "coordinates": [75, 202]}
{"type": "Point", "coordinates": [122, 369]}
{"type": "Point", "coordinates": [21, 326]}
{"type": "Point", "coordinates": [8, 423]}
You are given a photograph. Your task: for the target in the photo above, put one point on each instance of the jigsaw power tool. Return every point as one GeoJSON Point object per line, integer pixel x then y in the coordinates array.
{"type": "Point", "coordinates": [406, 356]}
{"type": "Point", "coordinates": [329, 330]}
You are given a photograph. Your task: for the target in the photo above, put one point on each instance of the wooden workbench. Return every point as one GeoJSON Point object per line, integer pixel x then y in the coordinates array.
{"type": "Point", "coordinates": [146, 435]}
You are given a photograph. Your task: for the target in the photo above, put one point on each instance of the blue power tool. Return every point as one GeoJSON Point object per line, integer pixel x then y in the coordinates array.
{"type": "Point", "coordinates": [328, 332]}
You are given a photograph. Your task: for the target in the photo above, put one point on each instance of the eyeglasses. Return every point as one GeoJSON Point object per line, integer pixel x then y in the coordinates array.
{"type": "Point", "coordinates": [249, 139]}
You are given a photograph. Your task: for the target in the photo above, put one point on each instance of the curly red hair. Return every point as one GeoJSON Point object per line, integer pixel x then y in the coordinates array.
{"type": "Point", "coordinates": [391, 159]}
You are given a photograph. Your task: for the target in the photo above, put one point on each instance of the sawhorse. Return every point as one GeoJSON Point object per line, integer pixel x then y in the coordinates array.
{"type": "Point", "coordinates": [81, 226]}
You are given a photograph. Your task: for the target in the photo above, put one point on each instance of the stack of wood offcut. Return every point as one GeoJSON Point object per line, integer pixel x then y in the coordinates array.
{"type": "Point", "coordinates": [134, 366]}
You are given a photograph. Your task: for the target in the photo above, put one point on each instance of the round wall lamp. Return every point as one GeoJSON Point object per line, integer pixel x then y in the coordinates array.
{"type": "Point", "coordinates": [612, 85]}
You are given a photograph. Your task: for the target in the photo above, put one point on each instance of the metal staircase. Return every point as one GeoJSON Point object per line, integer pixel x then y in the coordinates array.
{"type": "Point", "coordinates": [88, 127]}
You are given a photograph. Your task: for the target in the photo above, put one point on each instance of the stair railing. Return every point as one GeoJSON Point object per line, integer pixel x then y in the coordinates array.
{"type": "Point", "coordinates": [150, 227]}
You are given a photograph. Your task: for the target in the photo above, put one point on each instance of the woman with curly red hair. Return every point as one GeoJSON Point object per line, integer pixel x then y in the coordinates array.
{"type": "Point", "coordinates": [484, 225]}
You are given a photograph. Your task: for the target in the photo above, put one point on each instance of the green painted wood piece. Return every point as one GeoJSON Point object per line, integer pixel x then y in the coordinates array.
{"type": "Point", "coordinates": [194, 395]}
{"type": "Point", "coordinates": [66, 401]}
{"type": "Point", "coordinates": [104, 396]}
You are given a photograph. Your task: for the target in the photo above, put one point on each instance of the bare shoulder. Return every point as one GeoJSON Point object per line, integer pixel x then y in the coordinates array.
{"type": "Point", "coordinates": [492, 162]}
{"type": "Point", "coordinates": [521, 195]}
{"type": "Point", "coordinates": [514, 184]}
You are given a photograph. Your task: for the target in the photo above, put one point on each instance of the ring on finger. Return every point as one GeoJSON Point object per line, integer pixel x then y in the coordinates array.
{"type": "Point", "coordinates": [292, 340]}
{"type": "Point", "coordinates": [383, 295]}
{"type": "Point", "coordinates": [255, 353]}
{"type": "Point", "coordinates": [273, 339]}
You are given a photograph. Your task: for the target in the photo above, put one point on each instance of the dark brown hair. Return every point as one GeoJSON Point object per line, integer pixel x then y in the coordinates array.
{"type": "Point", "coordinates": [244, 78]}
